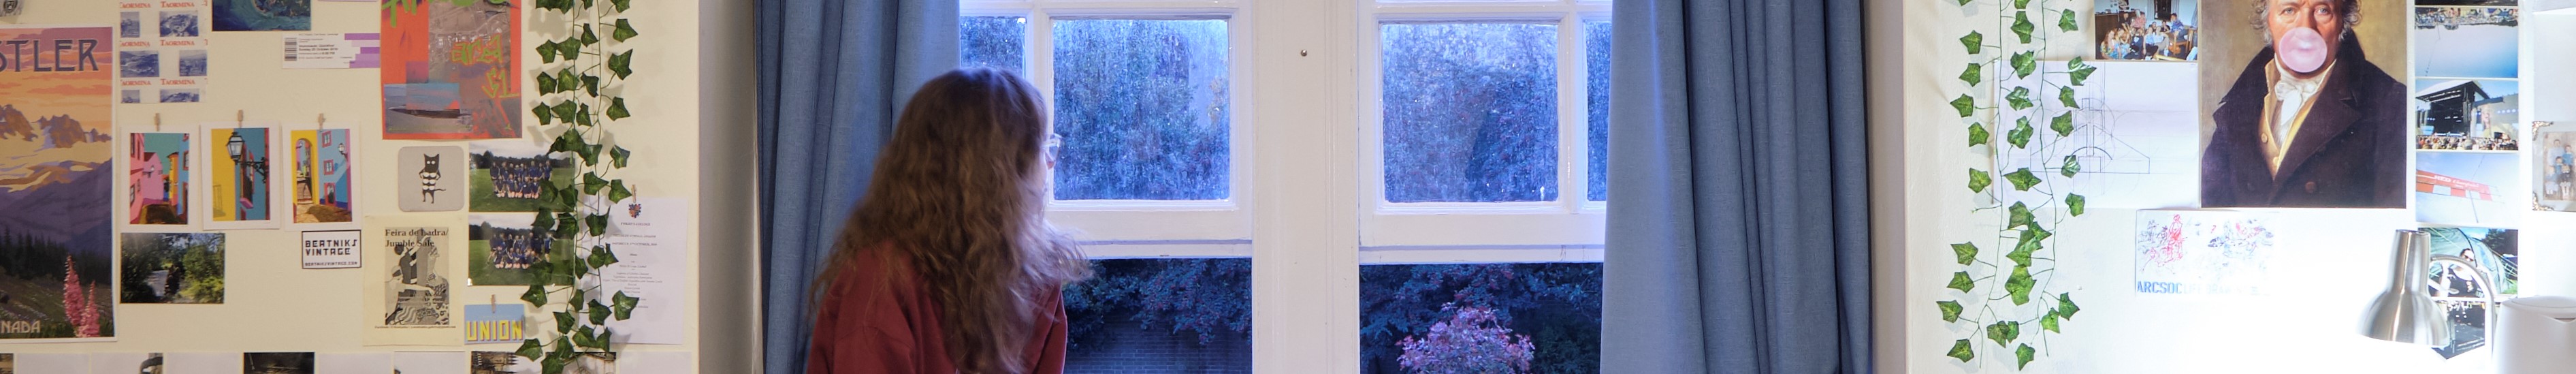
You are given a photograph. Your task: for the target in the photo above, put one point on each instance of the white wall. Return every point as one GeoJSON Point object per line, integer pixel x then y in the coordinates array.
{"type": "Point", "coordinates": [273, 305]}
{"type": "Point", "coordinates": [2332, 262]}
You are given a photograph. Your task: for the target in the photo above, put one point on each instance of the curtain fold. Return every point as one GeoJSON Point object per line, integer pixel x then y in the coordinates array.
{"type": "Point", "coordinates": [833, 73]}
{"type": "Point", "coordinates": [1738, 229]}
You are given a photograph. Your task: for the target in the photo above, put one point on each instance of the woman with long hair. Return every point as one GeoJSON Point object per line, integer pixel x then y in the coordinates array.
{"type": "Point", "coordinates": [948, 264]}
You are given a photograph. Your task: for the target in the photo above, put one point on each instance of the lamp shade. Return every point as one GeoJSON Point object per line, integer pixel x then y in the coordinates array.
{"type": "Point", "coordinates": [2405, 312]}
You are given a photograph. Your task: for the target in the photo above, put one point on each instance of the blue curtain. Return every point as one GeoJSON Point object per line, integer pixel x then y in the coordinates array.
{"type": "Point", "coordinates": [1739, 233]}
{"type": "Point", "coordinates": [832, 75]}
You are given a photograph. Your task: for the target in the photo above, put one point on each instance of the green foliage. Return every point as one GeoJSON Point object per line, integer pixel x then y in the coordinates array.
{"type": "Point", "coordinates": [1977, 134]}
{"type": "Point", "coordinates": [2021, 180]}
{"type": "Point", "coordinates": [574, 99]}
{"type": "Point", "coordinates": [2024, 237]}
{"type": "Point", "coordinates": [1978, 180]}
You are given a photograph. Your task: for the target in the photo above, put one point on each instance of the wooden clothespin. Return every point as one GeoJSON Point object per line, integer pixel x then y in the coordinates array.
{"type": "Point", "coordinates": [240, 118]}
{"type": "Point", "coordinates": [156, 122]}
{"type": "Point", "coordinates": [317, 121]}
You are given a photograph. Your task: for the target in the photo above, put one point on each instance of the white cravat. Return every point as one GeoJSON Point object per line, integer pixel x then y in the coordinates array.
{"type": "Point", "coordinates": [2294, 94]}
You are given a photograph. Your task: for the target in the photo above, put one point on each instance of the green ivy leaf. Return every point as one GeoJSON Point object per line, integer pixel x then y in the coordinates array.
{"type": "Point", "coordinates": [569, 48]}
{"type": "Point", "coordinates": [563, 322]}
{"type": "Point", "coordinates": [588, 37]}
{"type": "Point", "coordinates": [2075, 204]}
{"type": "Point", "coordinates": [545, 113]}
{"type": "Point", "coordinates": [590, 83]}
{"type": "Point", "coordinates": [598, 224]}
{"type": "Point", "coordinates": [2021, 26]}
{"type": "Point", "coordinates": [602, 256]}
{"type": "Point", "coordinates": [1977, 180]}
{"type": "Point", "coordinates": [617, 108]}
{"type": "Point", "coordinates": [2066, 97]}
{"type": "Point", "coordinates": [591, 183]}
{"type": "Point", "coordinates": [545, 83]}
{"type": "Point", "coordinates": [2064, 124]}
{"type": "Point", "coordinates": [598, 313]}
{"type": "Point", "coordinates": [2003, 333]}
{"type": "Point", "coordinates": [621, 4]}
{"type": "Point", "coordinates": [567, 83]}
{"type": "Point", "coordinates": [2024, 64]}
{"type": "Point", "coordinates": [531, 348]}
{"type": "Point", "coordinates": [584, 119]}
{"type": "Point", "coordinates": [1977, 134]}
{"type": "Point", "coordinates": [623, 305]}
{"type": "Point", "coordinates": [536, 295]}
{"type": "Point", "coordinates": [2021, 4]}
{"type": "Point", "coordinates": [2031, 240]}
{"type": "Point", "coordinates": [1960, 281]}
{"type": "Point", "coordinates": [1967, 252]}
{"type": "Point", "coordinates": [2019, 284]}
{"type": "Point", "coordinates": [2019, 215]}
{"type": "Point", "coordinates": [624, 31]}
{"type": "Point", "coordinates": [2019, 135]}
{"type": "Point", "coordinates": [2023, 355]}
{"type": "Point", "coordinates": [565, 112]}
{"type": "Point", "coordinates": [2066, 306]}
{"type": "Point", "coordinates": [2049, 321]}
{"type": "Point", "coordinates": [619, 155]}
{"type": "Point", "coordinates": [2019, 98]}
{"type": "Point", "coordinates": [1950, 310]}
{"type": "Point", "coordinates": [619, 63]}
{"type": "Point", "coordinates": [2070, 168]}
{"type": "Point", "coordinates": [2021, 179]}
{"type": "Point", "coordinates": [1975, 41]}
{"type": "Point", "coordinates": [1976, 73]}
{"type": "Point", "coordinates": [617, 191]}
{"type": "Point", "coordinates": [2076, 76]}
{"type": "Point", "coordinates": [2066, 21]}
{"type": "Point", "coordinates": [547, 51]}
{"type": "Point", "coordinates": [1960, 350]}
{"type": "Point", "coordinates": [2020, 255]}
{"type": "Point", "coordinates": [1966, 105]}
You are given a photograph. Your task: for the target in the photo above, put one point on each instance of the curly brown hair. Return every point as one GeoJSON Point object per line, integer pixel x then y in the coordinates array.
{"type": "Point", "coordinates": [959, 191]}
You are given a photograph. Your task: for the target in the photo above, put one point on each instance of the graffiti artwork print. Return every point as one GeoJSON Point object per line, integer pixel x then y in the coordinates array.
{"type": "Point", "coordinates": [451, 70]}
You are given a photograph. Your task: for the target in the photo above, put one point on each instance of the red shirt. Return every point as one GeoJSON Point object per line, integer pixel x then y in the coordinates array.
{"type": "Point", "coordinates": [892, 327]}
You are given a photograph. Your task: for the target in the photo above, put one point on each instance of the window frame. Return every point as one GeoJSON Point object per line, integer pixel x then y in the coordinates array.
{"type": "Point", "coordinates": [1189, 227]}
{"type": "Point", "coordinates": [1569, 221]}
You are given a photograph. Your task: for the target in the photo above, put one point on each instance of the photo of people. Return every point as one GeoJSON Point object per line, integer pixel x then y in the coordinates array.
{"type": "Point", "coordinates": [2158, 30]}
{"type": "Point", "coordinates": [2468, 115]}
{"type": "Point", "coordinates": [511, 174]}
{"type": "Point", "coordinates": [172, 268]}
{"type": "Point", "coordinates": [2467, 188]}
{"type": "Point", "coordinates": [156, 167]}
{"type": "Point", "coordinates": [2299, 115]}
{"type": "Point", "coordinates": [2467, 42]}
{"type": "Point", "coordinates": [2494, 250]}
{"type": "Point", "coordinates": [502, 363]}
{"type": "Point", "coordinates": [501, 249]}
{"type": "Point", "coordinates": [2554, 167]}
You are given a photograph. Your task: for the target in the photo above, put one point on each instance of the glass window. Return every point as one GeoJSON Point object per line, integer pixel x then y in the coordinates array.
{"type": "Point", "coordinates": [1189, 315]}
{"type": "Point", "coordinates": [1142, 106]}
{"type": "Point", "coordinates": [1470, 112]}
{"type": "Point", "coordinates": [1480, 318]}
{"type": "Point", "coordinates": [992, 41]}
{"type": "Point", "coordinates": [1596, 67]}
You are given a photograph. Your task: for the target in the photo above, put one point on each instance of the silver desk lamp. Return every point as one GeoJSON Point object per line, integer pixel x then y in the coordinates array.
{"type": "Point", "coordinates": [2405, 312]}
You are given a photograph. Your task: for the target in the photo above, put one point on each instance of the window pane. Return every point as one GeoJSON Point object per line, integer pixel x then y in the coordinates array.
{"type": "Point", "coordinates": [1596, 67]}
{"type": "Point", "coordinates": [1142, 107]}
{"type": "Point", "coordinates": [993, 42]}
{"type": "Point", "coordinates": [1480, 318]}
{"type": "Point", "coordinates": [1161, 316]}
{"type": "Point", "coordinates": [1470, 112]}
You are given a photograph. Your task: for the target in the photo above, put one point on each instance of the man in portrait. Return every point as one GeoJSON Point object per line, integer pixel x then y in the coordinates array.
{"type": "Point", "coordinates": [2309, 122]}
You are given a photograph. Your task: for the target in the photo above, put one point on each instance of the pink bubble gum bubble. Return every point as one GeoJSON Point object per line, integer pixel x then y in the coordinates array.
{"type": "Point", "coordinates": [2301, 50]}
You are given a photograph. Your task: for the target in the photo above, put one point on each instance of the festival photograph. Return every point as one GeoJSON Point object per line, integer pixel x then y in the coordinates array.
{"type": "Point", "coordinates": [2146, 30]}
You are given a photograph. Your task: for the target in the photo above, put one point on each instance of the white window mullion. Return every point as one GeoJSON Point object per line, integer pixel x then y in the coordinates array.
{"type": "Point", "coordinates": [1572, 119]}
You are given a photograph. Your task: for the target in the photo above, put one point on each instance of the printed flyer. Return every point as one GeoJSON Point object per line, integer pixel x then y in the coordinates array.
{"type": "Point", "coordinates": [161, 51]}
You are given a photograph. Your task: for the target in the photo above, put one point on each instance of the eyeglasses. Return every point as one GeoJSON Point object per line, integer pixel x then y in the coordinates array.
{"type": "Point", "coordinates": [1053, 143]}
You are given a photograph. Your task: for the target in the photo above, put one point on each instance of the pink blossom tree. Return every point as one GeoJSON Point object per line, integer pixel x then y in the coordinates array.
{"type": "Point", "coordinates": [1473, 340]}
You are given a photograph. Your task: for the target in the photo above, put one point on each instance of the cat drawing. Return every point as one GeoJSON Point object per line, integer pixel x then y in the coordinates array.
{"type": "Point", "coordinates": [429, 179]}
